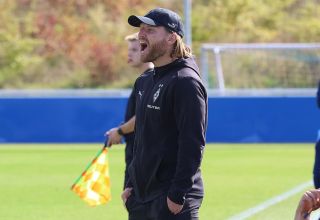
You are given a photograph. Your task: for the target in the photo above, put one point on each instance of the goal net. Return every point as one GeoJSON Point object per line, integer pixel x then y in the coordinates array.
{"type": "Point", "coordinates": [260, 66]}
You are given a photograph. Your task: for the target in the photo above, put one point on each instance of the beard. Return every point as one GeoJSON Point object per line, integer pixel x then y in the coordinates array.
{"type": "Point", "coordinates": [154, 52]}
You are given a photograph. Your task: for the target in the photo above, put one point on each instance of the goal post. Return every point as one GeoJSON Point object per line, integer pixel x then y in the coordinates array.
{"type": "Point", "coordinates": [260, 65]}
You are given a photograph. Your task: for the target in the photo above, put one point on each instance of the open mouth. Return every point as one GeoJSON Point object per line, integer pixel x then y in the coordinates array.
{"type": "Point", "coordinates": [143, 46]}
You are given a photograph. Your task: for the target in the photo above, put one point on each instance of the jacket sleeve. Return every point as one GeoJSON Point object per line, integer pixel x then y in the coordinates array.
{"type": "Point", "coordinates": [127, 180]}
{"type": "Point", "coordinates": [131, 105]}
{"type": "Point", "coordinates": [190, 110]}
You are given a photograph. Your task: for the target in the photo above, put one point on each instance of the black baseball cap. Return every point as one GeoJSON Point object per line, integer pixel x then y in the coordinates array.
{"type": "Point", "coordinates": [159, 17]}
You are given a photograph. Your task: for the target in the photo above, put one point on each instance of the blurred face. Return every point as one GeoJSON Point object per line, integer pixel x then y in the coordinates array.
{"type": "Point", "coordinates": [134, 53]}
{"type": "Point", "coordinates": [153, 42]}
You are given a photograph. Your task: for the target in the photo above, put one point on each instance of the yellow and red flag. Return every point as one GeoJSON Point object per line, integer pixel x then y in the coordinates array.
{"type": "Point", "coordinates": [93, 185]}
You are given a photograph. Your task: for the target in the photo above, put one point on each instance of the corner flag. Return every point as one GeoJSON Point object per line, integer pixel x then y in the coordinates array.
{"type": "Point", "coordinates": [93, 185]}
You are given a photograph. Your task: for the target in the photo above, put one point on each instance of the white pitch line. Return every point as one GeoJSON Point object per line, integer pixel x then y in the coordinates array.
{"type": "Point", "coordinates": [252, 211]}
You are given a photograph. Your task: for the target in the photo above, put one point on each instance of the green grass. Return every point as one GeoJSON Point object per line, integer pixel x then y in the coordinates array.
{"type": "Point", "coordinates": [35, 180]}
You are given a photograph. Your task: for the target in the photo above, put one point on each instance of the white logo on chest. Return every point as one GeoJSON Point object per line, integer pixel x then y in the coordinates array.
{"type": "Point", "coordinates": [156, 94]}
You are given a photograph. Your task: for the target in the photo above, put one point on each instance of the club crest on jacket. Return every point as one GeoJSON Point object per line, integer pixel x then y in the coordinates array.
{"type": "Point", "coordinates": [156, 94]}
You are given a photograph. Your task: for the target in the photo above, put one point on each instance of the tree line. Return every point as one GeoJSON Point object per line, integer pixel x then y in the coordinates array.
{"type": "Point", "coordinates": [80, 44]}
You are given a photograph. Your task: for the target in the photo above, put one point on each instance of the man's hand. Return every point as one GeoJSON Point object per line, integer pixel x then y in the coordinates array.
{"type": "Point", "coordinates": [113, 137]}
{"type": "Point", "coordinates": [309, 202]}
{"type": "Point", "coordinates": [125, 194]}
{"type": "Point", "coordinates": [173, 207]}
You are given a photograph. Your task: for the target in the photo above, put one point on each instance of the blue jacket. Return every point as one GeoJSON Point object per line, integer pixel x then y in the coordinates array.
{"type": "Point", "coordinates": [318, 95]}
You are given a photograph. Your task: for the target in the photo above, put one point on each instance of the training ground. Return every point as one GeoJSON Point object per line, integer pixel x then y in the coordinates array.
{"type": "Point", "coordinates": [242, 181]}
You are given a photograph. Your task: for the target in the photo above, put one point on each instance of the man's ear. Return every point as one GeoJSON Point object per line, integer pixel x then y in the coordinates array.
{"type": "Point", "coordinates": [172, 38]}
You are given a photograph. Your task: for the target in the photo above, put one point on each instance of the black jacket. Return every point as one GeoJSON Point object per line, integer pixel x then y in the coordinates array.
{"type": "Point", "coordinates": [130, 110]}
{"type": "Point", "coordinates": [171, 120]}
{"type": "Point", "coordinates": [129, 138]}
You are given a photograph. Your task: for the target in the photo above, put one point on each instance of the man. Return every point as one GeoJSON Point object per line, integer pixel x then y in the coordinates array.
{"type": "Point", "coordinates": [126, 129]}
{"type": "Point", "coordinates": [316, 168]}
{"type": "Point", "coordinates": [309, 202]}
{"type": "Point", "coordinates": [171, 118]}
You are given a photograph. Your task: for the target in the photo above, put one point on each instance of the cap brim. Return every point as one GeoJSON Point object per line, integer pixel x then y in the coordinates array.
{"type": "Point", "coordinates": [136, 21]}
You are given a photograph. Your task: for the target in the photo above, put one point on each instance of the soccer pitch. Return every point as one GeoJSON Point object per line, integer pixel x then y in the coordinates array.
{"type": "Point", "coordinates": [35, 180]}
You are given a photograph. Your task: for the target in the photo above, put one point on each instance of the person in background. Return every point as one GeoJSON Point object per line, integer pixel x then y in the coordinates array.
{"type": "Point", "coordinates": [165, 180]}
{"type": "Point", "coordinates": [316, 168]}
{"type": "Point", "coordinates": [126, 129]}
